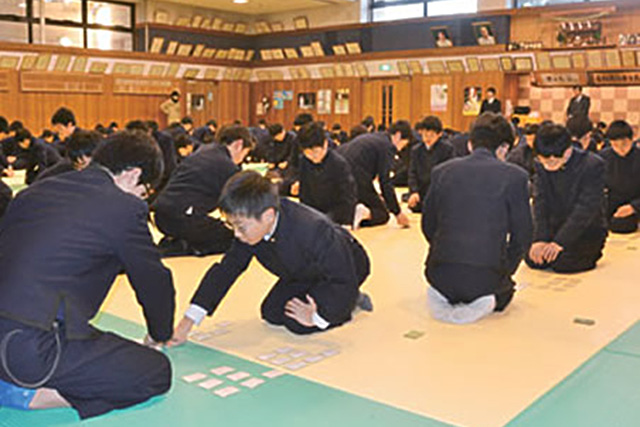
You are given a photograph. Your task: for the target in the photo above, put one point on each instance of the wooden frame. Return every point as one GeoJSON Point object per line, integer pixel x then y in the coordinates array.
{"type": "Point", "coordinates": [506, 62]}
{"type": "Point", "coordinates": [473, 64]}
{"type": "Point", "coordinates": [524, 63]}
{"type": "Point", "coordinates": [301, 23]}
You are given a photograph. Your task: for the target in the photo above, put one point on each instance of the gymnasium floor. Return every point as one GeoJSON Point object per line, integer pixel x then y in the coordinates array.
{"type": "Point", "coordinates": [530, 366]}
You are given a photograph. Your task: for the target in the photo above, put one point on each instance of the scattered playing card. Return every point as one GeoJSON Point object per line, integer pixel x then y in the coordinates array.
{"type": "Point", "coordinates": [295, 366]}
{"type": "Point", "coordinates": [297, 353]}
{"type": "Point", "coordinates": [238, 376]}
{"type": "Point", "coordinates": [314, 359]}
{"type": "Point", "coordinates": [200, 336]}
{"type": "Point", "coordinates": [209, 384]}
{"type": "Point", "coordinates": [266, 356]}
{"type": "Point", "coordinates": [252, 383]}
{"type": "Point", "coordinates": [224, 324]}
{"type": "Point", "coordinates": [194, 377]}
{"type": "Point", "coordinates": [283, 350]}
{"type": "Point", "coordinates": [222, 370]}
{"type": "Point", "coordinates": [330, 352]}
{"type": "Point", "coordinates": [414, 335]}
{"type": "Point", "coordinates": [227, 391]}
{"type": "Point", "coordinates": [273, 374]}
{"type": "Point", "coordinates": [218, 332]}
{"type": "Point", "coordinates": [280, 360]}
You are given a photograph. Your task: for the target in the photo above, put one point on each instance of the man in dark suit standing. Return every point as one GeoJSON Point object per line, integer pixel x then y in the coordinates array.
{"type": "Point", "coordinates": [491, 104]}
{"type": "Point", "coordinates": [320, 266]}
{"type": "Point", "coordinates": [579, 105]}
{"type": "Point", "coordinates": [477, 220]}
{"type": "Point", "coordinates": [81, 229]}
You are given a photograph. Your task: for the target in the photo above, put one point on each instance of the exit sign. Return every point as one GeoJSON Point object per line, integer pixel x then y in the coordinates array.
{"type": "Point", "coordinates": [385, 67]}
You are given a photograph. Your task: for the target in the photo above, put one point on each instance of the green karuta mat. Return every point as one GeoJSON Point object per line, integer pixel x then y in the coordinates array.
{"type": "Point", "coordinates": [283, 401]}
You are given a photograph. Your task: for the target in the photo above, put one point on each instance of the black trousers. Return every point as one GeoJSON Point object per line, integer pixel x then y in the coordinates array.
{"type": "Point", "coordinates": [272, 308]}
{"type": "Point", "coordinates": [368, 196]}
{"type": "Point", "coordinates": [94, 375]}
{"type": "Point", "coordinates": [624, 225]}
{"type": "Point", "coordinates": [463, 283]}
{"type": "Point", "coordinates": [579, 257]}
{"type": "Point", "coordinates": [205, 235]}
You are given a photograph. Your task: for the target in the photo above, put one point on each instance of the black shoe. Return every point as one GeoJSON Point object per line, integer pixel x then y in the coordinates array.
{"type": "Point", "coordinates": [364, 302]}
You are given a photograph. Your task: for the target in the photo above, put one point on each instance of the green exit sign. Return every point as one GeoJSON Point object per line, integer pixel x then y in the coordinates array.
{"type": "Point", "coordinates": [385, 67]}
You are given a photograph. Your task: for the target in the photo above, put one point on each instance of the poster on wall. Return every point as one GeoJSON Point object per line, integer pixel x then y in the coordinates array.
{"type": "Point", "coordinates": [472, 101]}
{"type": "Point", "coordinates": [324, 101]}
{"type": "Point", "coordinates": [278, 100]}
{"type": "Point", "coordinates": [287, 95]}
{"type": "Point", "coordinates": [342, 101]}
{"type": "Point", "coordinates": [439, 97]}
{"type": "Point", "coordinates": [307, 101]}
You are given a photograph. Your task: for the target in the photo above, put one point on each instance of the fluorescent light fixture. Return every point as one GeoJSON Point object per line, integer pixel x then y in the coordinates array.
{"type": "Point", "coordinates": [241, 1]}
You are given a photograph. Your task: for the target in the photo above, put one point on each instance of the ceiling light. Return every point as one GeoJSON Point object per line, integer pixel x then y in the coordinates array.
{"type": "Point", "coordinates": [241, 1]}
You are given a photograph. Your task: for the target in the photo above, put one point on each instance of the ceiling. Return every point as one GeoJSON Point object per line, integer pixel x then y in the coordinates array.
{"type": "Point", "coordinates": [261, 7]}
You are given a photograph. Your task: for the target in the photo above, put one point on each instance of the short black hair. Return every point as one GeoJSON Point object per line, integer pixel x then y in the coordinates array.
{"type": "Point", "coordinates": [229, 134]}
{"type": "Point", "coordinates": [490, 131]}
{"type": "Point", "coordinates": [262, 122]}
{"type": "Point", "coordinates": [212, 123]}
{"type": "Point", "coordinates": [275, 129]}
{"type": "Point", "coordinates": [113, 125]}
{"type": "Point", "coordinates": [22, 134]}
{"type": "Point", "coordinates": [531, 129]}
{"type": "Point", "coordinates": [4, 125]}
{"type": "Point", "coordinates": [579, 126]}
{"type": "Point", "coordinates": [82, 143]}
{"type": "Point", "coordinates": [153, 125]}
{"type": "Point", "coordinates": [131, 149]}
{"type": "Point", "coordinates": [183, 140]}
{"type": "Point", "coordinates": [492, 90]}
{"type": "Point", "coordinates": [174, 93]}
{"type": "Point", "coordinates": [552, 140]}
{"type": "Point", "coordinates": [577, 87]}
{"type": "Point", "coordinates": [402, 126]}
{"type": "Point", "coordinates": [368, 121]}
{"type": "Point", "coordinates": [356, 131]}
{"type": "Point", "coordinates": [311, 135]}
{"type": "Point", "coordinates": [619, 130]}
{"type": "Point", "coordinates": [15, 125]}
{"type": "Point", "coordinates": [430, 123]}
{"type": "Point", "coordinates": [137, 125]}
{"type": "Point", "coordinates": [47, 133]}
{"type": "Point", "coordinates": [336, 126]}
{"type": "Point", "coordinates": [186, 120]}
{"type": "Point", "coordinates": [302, 119]}
{"type": "Point", "coordinates": [248, 194]}
{"type": "Point", "coordinates": [63, 116]}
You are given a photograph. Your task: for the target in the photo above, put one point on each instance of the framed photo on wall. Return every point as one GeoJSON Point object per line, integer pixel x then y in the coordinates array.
{"type": "Point", "coordinates": [484, 33]}
{"type": "Point", "coordinates": [441, 36]}
{"type": "Point", "coordinates": [473, 64]}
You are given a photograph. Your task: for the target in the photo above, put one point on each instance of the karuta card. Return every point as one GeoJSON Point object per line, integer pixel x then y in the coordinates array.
{"type": "Point", "coordinates": [222, 370]}
{"type": "Point", "coordinates": [238, 376]}
{"type": "Point", "coordinates": [273, 374]}
{"type": "Point", "coordinates": [194, 377]}
{"type": "Point", "coordinates": [209, 384]}
{"type": "Point", "coordinates": [281, 360]}
{"type": "Point", "coordinates": [252, 383]}
{"type": "Point", "coordinates": [295, 366]}
{"type": "Point", "coordinates": [227, 391]}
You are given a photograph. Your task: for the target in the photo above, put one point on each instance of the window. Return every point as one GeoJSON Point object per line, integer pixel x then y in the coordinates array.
{"type": "Point", "coordinates": [387, 10]}
{"type": "Point", "coordinates": [101, 24]}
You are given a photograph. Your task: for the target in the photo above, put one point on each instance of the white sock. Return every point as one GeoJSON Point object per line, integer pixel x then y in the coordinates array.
{"type": "Point", "coordinates": [362, 212]}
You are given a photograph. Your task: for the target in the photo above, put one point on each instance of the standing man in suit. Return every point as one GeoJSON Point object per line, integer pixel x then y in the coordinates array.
{"type": "Point", "coordinates": [579, 105]}
{"type": "Point", "coordinates": [183, 207]}
{"type": "Point", "coordinates": [320, 266]}
{"type": "Point", "coordinates": [491, 104]}
{"type": "Point", "coordinates": [81, 230]}
{"type": "Point", "coordinates": [477, 221]}
{"type": "Point", "coordinates": [371, 156]}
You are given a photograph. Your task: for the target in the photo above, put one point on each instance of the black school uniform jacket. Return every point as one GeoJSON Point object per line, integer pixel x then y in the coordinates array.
{"type": "Point", "coordinates": [622, 179]}
{"type": "Point", "coordinates": [473, 204]}
{"type": "Point", "coordinates": [423, 160]}
{"type": "Point", "coordinates": [570, 202]}
{"type": "Point", "coordinates": [59, 168]}
{"type": "Point", "coordinates": [280, 151]}
{"type": "Point", "coordinates": [492, 107]}
{"type": "Point", "coordinates": [371, 155]}
{"type": "Point", "coordinates": [305, 248]}
{"type": "Point", "coordinates": [197, 182]}
{"type": "Point", "coordinates": [38, 157]}
{"type": "Point", "coordinates": [5, 197]}
{"type": "Point", "coordinates": [329, 187]}
{"type": "Point", "coordinates": [579, 107]}
{"type": "Point", "coordinates": [169, 154]}
{"type": "Point", "coordinates": [64, 240]}
{"type": "Point", "coordinates": [523, 156]}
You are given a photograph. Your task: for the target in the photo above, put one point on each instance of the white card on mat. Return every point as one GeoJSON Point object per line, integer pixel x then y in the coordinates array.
{"type": "Point", "coordinates": [331, 352]}
{"type": "Point", "coordinates": [314, 359]}
{"type": "Point", "coordinates": [266, 356]}
{"type": "Point", "coordinates": [295, 366]}
{"type": "Point", "coordinates": [209, 384]}
{"type": "Point", "coordinates": [296, 354]}
{"type": "Point", "coordinates": [283, 350]}
{"type": "Point", "coordinates": [280, 360]}
{"type": "Point", "coordinates": [194, 377]}
{"type": "Point", "coordinates": [222, 370]}
{"type": "Point", "coordinates": [238, 376]}
{"type": "Point", "coordinates": [227, 391]}
{"type": "Point", "coordinates": [273, 374]}
{"type": "Point", "coordinates": [252, 383]}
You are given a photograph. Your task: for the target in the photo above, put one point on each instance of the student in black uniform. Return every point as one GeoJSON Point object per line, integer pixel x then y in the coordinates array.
{"type": "Point", "coordinates": [34, 155]}
{"type": "Point", "coordinates": [80, 150]}
{"type": "Point", "coordinates": [182, 209]}
{"type": "Point", "coordinates": [64, 123]}
{"type": "Point", "coordinates": [523, 155]}
{"type": "Point", "coordinates": [5, 197]}
{"type": "Point", "coordinates": [460, 144]}
{"type": "Point", "coordinates": [622, 178]}
{"type": "Point", "coordinates": [326, 182]}
{"type": "Point", "coordinates": [356, 131]}
{"type": "Point", "coordinates": [206, 134]}
{"type": "Point", "coordinates": [291, 184]}
{"type": "Point", "coordinates": [491, 104]}
{"type": "Point", "coordinates": [320, 265]}
{"type": "Point", "coordinates": [371, 156]}
{"type": "Point", "coordinates": [580, 128]}
{"type": "Point", "coordinates": [477, 221]}
{"type": "Point", "coordinates": [369, 124]}
{"type": "Point", "coordinates": [569, 223]}
{"type": "Point", "coordinates": [5, 169]}
{"type": "Point", "coordinates": [81, 230]}
{"type": "Point", "coordinates": [278, 150]}
{"type": "Point", "coordinates": [184, 147]}
{"type": "Point", "coordinates": [165, 142]}
{"type": "Point", "coordinates": [263, 140]}
{"type": "Point", "coordinates": [432, 151]}
{"type": "Point", "coordinates": [338, 135]}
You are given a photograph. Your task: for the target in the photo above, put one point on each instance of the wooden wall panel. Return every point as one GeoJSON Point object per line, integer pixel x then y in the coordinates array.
{"type": "Point", "coordinates": [233, 99]}
{"type": "Point", "coordinates": [287, 115]}
{"type": "Point", "coordinates": [421, 88]}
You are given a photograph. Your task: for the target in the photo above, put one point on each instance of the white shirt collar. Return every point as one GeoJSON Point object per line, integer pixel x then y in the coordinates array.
{"type": "Point", "coordinates": [270, 234]}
